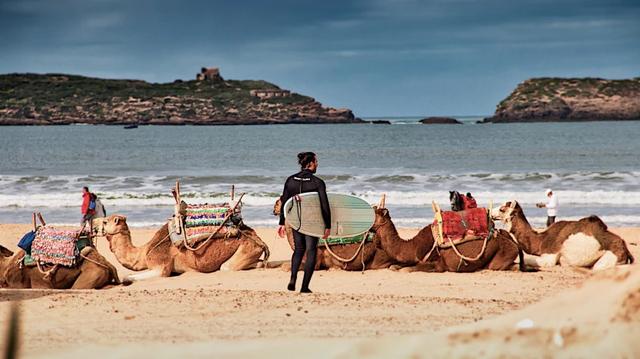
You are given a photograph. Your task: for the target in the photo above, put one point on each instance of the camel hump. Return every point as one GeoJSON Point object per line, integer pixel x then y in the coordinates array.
{"type": "Point", "coordinates": [86, 251]}
{"type": "Point", "coordinates": [593, 219]}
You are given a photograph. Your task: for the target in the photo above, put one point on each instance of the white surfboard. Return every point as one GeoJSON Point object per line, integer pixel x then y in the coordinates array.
{"type": "Point", "coordinates": [350, 215]}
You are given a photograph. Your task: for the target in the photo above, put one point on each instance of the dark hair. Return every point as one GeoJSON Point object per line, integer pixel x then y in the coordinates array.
{"type": "Point", "coordinates": [469, 194]}
{"type": "Point", "coordinates": [304, 158]}
{"type": "Point", "coordinates": [85, 188]}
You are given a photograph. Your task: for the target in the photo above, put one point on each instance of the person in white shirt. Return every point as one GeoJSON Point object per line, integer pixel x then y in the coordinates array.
{"type": "Point", "coordinates": [551, 206]}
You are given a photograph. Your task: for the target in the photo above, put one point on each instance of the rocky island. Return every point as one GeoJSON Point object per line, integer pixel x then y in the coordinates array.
{"type": "Point", "coordinates": [570, 99]}
{"type": "Point", "coordinates": [60, 99]}
{"type": "Point", "coordinates": [440, 121]}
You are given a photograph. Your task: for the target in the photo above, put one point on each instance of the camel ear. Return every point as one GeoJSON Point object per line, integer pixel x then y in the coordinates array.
{"type": "Point", "coordinates": [513, 204]}
{"type": "Point", "coordinates": [383, 201]}
{"type": "Point", "coordinates": [117, 219]}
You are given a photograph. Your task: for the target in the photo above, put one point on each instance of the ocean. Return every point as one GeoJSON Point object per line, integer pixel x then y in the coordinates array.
{"type": "Point", "coordinates": [592, 166]}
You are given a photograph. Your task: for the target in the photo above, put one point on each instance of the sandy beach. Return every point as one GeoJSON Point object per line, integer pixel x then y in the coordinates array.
{"type": "Point", "coordinates": [249, 313]}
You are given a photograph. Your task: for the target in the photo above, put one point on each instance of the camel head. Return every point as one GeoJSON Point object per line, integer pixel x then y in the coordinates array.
{"type": "Point", "coordinates": [382, 217]}
{"type": "Point", "coordinates": [277, 207]}
{"type": "Point", "coordinates": [382, 214]}
{"type": "Point", "coordinates": [5, 252]}
{"type": "Point", "coordinates": [506, 212]}
{"type": "Point", "coordinates": [110, 225]}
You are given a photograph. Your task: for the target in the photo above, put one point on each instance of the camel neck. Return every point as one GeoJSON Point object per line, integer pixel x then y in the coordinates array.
{"type": "Point", "coordinates": [407, 251]}
{"type": "Point", "coordinates": [525, 234]}
{"type": "Point", "coordinates": [127, 254]}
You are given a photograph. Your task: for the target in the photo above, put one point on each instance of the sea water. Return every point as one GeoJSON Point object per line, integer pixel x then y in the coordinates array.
{"type": "Point", "coordinates": [592, 166]}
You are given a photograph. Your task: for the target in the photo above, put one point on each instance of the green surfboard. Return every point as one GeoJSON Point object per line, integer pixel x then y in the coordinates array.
{"type": "Point", "coordinates": [350, 215]}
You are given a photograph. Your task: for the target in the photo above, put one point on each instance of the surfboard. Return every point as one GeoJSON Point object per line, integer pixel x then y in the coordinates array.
{"type": "Point", "coordinates": [350, 215]}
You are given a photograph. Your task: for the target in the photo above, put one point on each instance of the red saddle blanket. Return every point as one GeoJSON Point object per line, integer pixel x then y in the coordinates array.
{"type": "Point", "coordinates": [460, 224]}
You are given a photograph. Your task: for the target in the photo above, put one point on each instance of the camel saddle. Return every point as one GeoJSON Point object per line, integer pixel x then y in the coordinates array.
{"type": "Point", "coordinates": [195, 222]}
{"type": "Point", "coordinates": [53, 246]}
{"type": "Point", "coordinates": [454, 227]}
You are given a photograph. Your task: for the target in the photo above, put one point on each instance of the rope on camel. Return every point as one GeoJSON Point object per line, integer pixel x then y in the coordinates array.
{"type": "Point", "coordinates": [364, 239]}
{"type": "Point", "coordinates": [95, 262]}
{"type": "Point", "coordinates": [48, 273]}
{"type": "Point", "coordinates": [484, 247]}
{"type": "Point", "coordinates": [159, 242]}
{"type": "Point", "coordinates": [435, 244]}
{"type": "Point", "coordinates": [226, 219]}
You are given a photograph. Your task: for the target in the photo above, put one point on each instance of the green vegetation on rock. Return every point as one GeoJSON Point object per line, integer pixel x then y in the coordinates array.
{"type": "Point", "coordinates": [64, 99]}
{"type": "Point", "coordinates": [570, 99]}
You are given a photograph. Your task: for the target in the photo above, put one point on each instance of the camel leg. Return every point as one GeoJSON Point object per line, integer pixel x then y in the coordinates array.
{"type": "Point", "coordinates": [437, 267]}
{"type": "Point", "coordinates": [246, 256]}
{"type": "Point", "coordinates": [286, 266]}
{"type": "Point", "coordinates": [506, 256]}
{"type": "Point", "coordinates": [92, 280]}
{"type": "Point", "coordinates": [144, 275]}
{"type": "Point", "coordinates": [381, 260]}
{"type": "Point", "coordinates": [544, 260]}
{"type": "Point", "coordinates": [608, 260]}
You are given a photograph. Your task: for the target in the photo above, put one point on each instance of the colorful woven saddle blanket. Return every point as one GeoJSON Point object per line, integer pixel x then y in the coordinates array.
{"type": "Point", "coordinates": [57, 246]}
{"type": "Point", "coordinates": [367, 236]}
{"type": "Point", "coordinates": [201, 220]}
{"type": "Point", "coordinates": [84, 241]}
{"type": "Point", "coordinates": [456, 226]}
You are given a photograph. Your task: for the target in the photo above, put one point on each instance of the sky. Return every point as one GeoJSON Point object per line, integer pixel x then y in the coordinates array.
{"type": "Point", "coordinates": [376, 57]}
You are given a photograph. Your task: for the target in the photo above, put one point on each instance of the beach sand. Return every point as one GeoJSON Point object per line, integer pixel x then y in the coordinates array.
{"type": "Point", "coordinates": [379, 313]}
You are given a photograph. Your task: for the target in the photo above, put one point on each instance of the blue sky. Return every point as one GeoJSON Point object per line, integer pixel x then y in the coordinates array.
{"type": "Point", "coordinates": [378, 57]}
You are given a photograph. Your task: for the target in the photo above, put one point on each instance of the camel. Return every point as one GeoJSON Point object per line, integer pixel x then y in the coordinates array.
{"type": "Point", "coordinates": [93, 272]}
{"type": "Point", "coordinates": [348, 257]}
{"type": "Point", "coordinates": [583, 243]}
{"type": "Point", "coordinates": [160, 258]}
{"type": "Point", "coordinates": [500, 252]}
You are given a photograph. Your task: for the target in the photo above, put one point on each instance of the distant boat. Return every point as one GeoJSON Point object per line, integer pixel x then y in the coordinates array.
{"type": "Point", "coordinates": [128, 127]}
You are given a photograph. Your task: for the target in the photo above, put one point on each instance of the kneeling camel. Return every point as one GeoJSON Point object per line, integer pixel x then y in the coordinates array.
{"type": "Point", "coordinates": [583, 243]}
{"type": "Point", "coordinates": [160, 258]}
{"type": "Point", "coordinates": [93, 272]}
{"type": "Point", "coordinates": [350, 257]}
{"type": "Point", "coordinates": [420, 251]}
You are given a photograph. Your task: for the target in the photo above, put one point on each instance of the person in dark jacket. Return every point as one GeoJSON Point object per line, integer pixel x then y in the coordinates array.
{"type": "Point", "coordinates": [302, 182]}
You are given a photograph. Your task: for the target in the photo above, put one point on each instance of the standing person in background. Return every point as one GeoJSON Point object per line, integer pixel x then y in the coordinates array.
{"type": "Point", "coordinates": [88, 208]}
{"type": "Point", "coordinates": [302, 182]}
{"type": "Point", "coordinates": [551, 206]}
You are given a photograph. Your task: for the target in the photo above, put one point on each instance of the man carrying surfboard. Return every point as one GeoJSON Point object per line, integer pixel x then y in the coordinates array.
{"type": "Point", "coordinates": [303, 182]}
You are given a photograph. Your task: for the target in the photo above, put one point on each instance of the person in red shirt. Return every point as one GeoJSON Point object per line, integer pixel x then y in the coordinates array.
{"type": "Point", "coordinates": [87, 211]}
{"type": "Point", "coordinates": [469, 201]}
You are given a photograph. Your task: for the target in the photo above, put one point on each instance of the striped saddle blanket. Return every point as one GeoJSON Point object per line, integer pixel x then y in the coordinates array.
{"type": "Point", "coordinates": [201, 220]}
{"type": "Point", "coordinates": [55, 246]}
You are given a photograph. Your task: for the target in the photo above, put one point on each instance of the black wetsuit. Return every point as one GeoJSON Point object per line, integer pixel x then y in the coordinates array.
{"type": "Point", "coordinates": [302, 182]}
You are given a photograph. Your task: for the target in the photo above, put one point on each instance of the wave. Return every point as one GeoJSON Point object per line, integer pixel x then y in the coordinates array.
{"type": "Point", "coordinates": [364, 175]}
{"type": "Point", "coordinates": [267, 198]}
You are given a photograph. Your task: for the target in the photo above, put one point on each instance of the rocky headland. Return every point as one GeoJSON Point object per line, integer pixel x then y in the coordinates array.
{"type": "Point", "coordinates": [60, 99]}
{"type": "Point", "coordinates": [570, 99]}
{"type": "Point", "coordinates": [440, 121]}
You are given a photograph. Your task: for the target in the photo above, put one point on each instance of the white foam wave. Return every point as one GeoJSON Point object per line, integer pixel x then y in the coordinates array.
{"type": "Point", "coordinates": [613, 198]}
{"type": "Point", "coordinates": [394, 198]}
